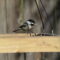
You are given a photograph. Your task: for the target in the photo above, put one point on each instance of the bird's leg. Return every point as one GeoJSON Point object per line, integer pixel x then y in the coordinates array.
{"type": "Point", "coordinates": [30, 33]}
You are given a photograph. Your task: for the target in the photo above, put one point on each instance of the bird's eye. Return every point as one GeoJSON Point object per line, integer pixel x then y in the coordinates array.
{"type": "Point", "coordinates": [32, 24]}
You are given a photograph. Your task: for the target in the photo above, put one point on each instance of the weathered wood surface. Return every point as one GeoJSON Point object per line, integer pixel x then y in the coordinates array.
{"type": "Point", "coordinates": [11, 15]}
{"type": "Point", "coordinates": [17, 43]}
{"type": "Point", "coordinates": [8, 22]}
{"type": "Point", "coordinates": [3, 28]}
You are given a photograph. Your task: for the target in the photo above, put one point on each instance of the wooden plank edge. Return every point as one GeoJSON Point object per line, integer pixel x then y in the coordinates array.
{"type": "Point", "coordinates": [13, 43]}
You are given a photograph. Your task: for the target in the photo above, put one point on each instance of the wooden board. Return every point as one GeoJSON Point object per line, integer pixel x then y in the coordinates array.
{"type": "Point", "coordinates": [25, 43]}
{"type": "Point", "coordinates": [3, 25]}
{"type": "Point", "coordinates": [11, 15]}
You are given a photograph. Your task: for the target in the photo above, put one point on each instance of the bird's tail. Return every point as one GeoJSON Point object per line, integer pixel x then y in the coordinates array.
{"type": "Point", "coordinates": [17, 30]}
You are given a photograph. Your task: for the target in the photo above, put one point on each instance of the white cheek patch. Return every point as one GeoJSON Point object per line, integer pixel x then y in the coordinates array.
{"type": "Point", "coordinates": [28, 22]}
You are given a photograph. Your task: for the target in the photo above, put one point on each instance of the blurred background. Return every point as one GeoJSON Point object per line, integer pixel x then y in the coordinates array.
{"type": "Point", "coordinates": [14, 12]}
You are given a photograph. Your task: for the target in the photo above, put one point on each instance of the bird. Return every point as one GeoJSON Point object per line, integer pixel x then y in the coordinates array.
{"type": "Point", "coordinates": [26, 26]}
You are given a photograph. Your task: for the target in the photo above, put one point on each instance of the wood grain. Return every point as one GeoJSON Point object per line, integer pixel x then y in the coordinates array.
{"type": "Point", "coordinates": [3, 25]}
{"type": "Point", "coordinates": [25, 43]}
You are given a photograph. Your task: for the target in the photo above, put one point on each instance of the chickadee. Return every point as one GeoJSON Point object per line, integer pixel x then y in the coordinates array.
{"type": "Point", "coordinates": [27, 25]}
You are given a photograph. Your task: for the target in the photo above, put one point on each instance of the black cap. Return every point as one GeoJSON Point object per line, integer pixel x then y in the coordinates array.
{"type": "Point", "coordinates": [31, 20]}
